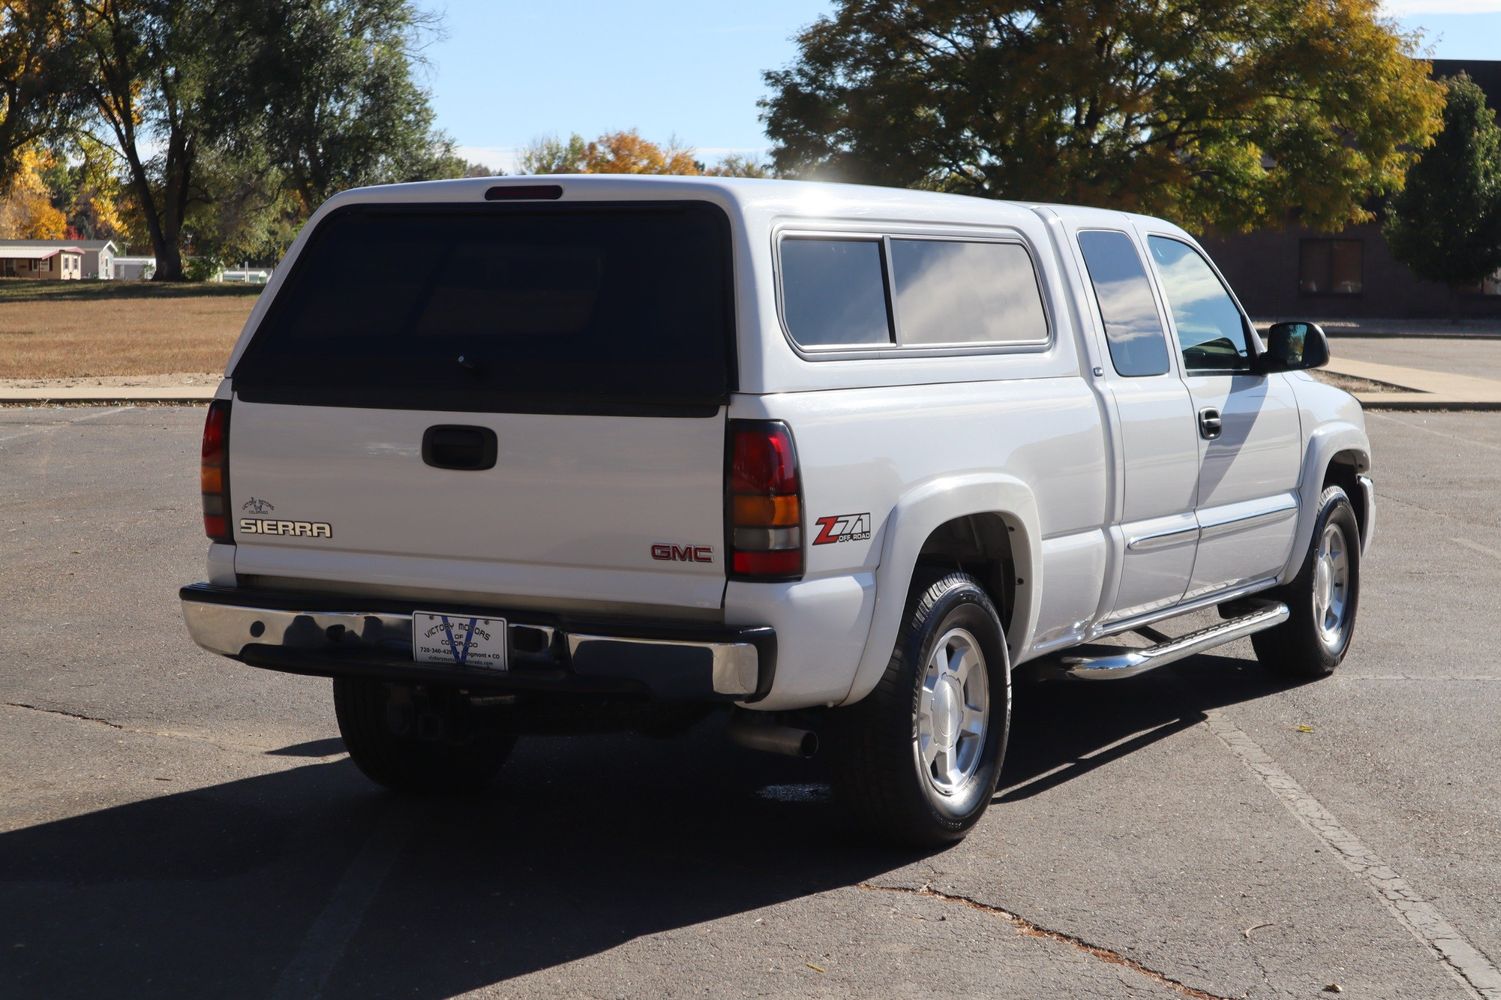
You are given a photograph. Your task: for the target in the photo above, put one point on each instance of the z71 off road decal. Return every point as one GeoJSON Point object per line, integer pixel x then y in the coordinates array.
{"type": "Point", "coordinates": [843, 528]}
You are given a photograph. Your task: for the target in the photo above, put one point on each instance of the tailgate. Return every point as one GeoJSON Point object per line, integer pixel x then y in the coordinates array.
{"type": "Point", "coordinates": [527, 408]}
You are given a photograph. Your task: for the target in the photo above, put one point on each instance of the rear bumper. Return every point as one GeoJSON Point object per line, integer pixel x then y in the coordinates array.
{"type": "Point", "coordinates": [328, 637]}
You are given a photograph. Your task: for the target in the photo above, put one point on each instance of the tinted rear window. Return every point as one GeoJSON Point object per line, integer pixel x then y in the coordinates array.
{"type": "Point", "coordinates": [952, 292]}
{"type": "Point", "coordinates": [834, 292]}
{"type": "Point", "coordinates": [577, 309]}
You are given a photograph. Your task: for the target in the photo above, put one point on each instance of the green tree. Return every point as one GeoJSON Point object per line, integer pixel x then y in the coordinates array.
{"type": "Point", "coordinates": [152, 69]}
{"type": "Point", "coordinates": [740, 165]}
{"type": "Point", "coordinates": [326, 88]}
{"type": "Point", "coordinates": [1446, 223]}
{"type": "Point", "coordinates": [551, 155]}
{"type": "Point", "coordinates": [1209, 111]}
{"type": "Point", "coordinates": [40, 77]}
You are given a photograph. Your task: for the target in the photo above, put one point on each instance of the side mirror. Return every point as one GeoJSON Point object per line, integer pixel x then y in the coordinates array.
{"type": "Point", "coordinates": [1292, 347]}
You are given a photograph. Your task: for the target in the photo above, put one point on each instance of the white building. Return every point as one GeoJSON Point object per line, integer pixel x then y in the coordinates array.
{"type": "Point", "coordinates": [134, 268]}
{"type": "Point", "coordinates": [98, 255]}
{"type": "Point", "coordinates": [40, 261]}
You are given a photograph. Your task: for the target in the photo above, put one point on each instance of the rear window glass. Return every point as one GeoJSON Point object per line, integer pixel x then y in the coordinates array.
{"type": "Point", "coordinates": [584, 308]}
{"type": "Point", "coordinates": [953, 292]}
{"type": "Point", "coordinates": [834, 292]}
{"type": "Point", "coordinates": [1132, 327]}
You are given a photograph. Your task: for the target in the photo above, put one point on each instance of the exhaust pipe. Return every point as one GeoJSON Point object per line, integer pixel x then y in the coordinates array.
{"type": "Point", "coordinates": [770, 738]}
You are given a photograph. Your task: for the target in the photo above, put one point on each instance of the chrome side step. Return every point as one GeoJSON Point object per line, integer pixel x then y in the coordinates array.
{"type": "Point", "coordinates": [1261, 615]}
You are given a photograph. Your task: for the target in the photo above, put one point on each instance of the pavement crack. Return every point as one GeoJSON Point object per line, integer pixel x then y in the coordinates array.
{"type": "Point", "coordinates": [165, 734]}
{"type": "Point", "coordinates": [1027, 928]}
{"type": "Point", "coordinates": [65, 714]}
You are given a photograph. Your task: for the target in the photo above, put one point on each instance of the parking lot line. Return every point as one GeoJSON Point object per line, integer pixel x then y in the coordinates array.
{"type": "Point", "coordinates": [1429, 430]}
{"type": "Point", "coordinates": [1476, 547]}
{"type": "Point", "coordinates": [66, 423]}
{"type": "Point", "coordinates": [328, 938]}
{"type": "Point", "coordinates": [1420, 917]}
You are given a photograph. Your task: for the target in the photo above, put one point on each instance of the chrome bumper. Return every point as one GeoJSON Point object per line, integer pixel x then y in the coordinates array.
{"type": "Point", "coordinates": [735, 664]}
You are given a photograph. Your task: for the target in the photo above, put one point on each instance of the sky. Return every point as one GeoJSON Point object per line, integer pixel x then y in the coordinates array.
{"type": "Point", "coordinates": [503, 73]}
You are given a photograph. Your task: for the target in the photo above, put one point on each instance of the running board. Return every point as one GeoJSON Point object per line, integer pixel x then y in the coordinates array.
{"type": "Point", "coordinates": [1130, 662]}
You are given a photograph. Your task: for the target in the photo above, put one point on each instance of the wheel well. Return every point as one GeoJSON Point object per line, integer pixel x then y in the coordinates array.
{"type": "Point", "coordinates": [1344, 471]}
{"type": "Point", "coordinates": [980, 545]}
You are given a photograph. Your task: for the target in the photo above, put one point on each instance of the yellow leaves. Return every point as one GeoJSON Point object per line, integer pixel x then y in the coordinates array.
{"type": "Point", "coordinates": [26, 212]}
{"type": "Point", "coordinates": [612, 153]}
{"type": "Point", "coordinates": [627, 153]}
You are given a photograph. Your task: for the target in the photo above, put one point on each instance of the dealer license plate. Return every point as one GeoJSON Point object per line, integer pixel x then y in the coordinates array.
{"type": "Point", "coordinates": [459, 640]}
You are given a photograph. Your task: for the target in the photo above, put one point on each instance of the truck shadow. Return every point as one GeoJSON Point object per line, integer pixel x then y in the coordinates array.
{"type": "Point", "coordinates": [1063, 729]}
{"type": "Point", "coordinates": [307, 880]}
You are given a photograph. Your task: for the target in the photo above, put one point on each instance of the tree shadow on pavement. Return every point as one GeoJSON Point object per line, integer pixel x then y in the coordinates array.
{"type": "Point", "coordinates": [309, 880]}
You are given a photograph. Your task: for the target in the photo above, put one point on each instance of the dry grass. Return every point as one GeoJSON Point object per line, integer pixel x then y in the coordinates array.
{"type": "Point", "coordinates": [73, 329]}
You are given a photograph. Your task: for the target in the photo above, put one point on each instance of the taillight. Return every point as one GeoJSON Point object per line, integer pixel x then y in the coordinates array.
{"type": "Point", "coordinates": [764, 506]}
{"type": "Point", "coordinates": [214, 472]}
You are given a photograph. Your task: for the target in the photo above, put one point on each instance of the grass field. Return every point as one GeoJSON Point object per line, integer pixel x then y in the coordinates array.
{"type": "Point", "coordinates": [66, 329]}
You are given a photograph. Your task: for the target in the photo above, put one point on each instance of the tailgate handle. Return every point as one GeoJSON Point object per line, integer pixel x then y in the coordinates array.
{"type": "Point", "coordinates": [455, 446]}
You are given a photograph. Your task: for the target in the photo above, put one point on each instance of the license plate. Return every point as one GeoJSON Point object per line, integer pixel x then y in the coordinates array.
{"type": "Point", "coordinates": [459, 640]}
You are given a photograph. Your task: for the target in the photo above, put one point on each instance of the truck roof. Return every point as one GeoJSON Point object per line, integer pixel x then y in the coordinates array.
{"type": "Point", "coordinates": [751, 196]}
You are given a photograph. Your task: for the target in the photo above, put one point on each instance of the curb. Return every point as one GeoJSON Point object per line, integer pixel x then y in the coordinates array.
{"type": "Point", "coordinates": [166, 399]}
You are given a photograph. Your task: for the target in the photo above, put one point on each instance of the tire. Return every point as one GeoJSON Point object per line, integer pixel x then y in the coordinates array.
{"type": "Point", "coordinates": [420, 740]}
{"type": "Point", "coordinates": [1322, 601]}
{"type": "Point", "coordinates": [892, 770]}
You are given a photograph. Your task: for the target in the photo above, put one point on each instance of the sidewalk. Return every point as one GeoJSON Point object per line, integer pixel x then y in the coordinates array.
{"type": "Point", "coordinates": [1417, 389]}
{"type": "Point", "coordinates": [1463, 329]}
{"type": "Point", "coordinates": [183, 387]}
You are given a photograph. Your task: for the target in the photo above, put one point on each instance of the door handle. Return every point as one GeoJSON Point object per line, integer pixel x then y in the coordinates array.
{"type": "Point", "coordinates": [1210, 424]}
{"type": "Point", "coordinates": [454, 446]}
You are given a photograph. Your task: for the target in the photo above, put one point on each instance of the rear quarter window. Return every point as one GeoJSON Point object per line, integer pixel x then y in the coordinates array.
{"type": "Point", "coordinates": [899, 292]}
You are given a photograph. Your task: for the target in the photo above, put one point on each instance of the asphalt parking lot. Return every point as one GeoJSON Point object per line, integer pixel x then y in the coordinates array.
{"type": "Point", "coordinates": [175, 824]}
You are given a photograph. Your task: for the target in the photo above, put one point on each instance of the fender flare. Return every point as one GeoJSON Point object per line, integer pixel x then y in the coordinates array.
{"type": "Point", "coordinates": [912, 520]}
{"type": "Point", "coordinates": [1326, 441]}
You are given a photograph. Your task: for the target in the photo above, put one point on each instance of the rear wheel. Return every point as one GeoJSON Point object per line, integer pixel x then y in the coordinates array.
{"type": "Point", "coordinates": [1321, 599]}
{"type": "Point", "coordinates": [420, 739]}
{"type": "Point", "coordinates": [918, 759]}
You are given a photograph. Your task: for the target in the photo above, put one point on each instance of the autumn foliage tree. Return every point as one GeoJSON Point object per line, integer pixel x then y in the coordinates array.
{"type": "Point", "coordinates": [1222, 112]}
{"type": "Point", "coordinates": [1446, 223]}
{"type": "Point", "coordinates": [623, 152]}
{"type": "Point", "coordinates": [627, 153]}
{"type": "Point", "coordinates": [40, 89]}
{"type": "Point", "coordinates": [26, 210]}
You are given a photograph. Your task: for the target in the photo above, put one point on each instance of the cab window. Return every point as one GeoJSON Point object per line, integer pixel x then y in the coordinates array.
{"type": "Point", "coordinates": [1132, 329]}
{"type": "Point", "coordinates": [1211, 331]}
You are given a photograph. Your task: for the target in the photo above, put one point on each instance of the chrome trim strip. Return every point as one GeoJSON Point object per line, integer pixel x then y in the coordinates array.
{"type": "Point", "coordinates": [1162, 614]}
{"type": "Point", "coordinates": [1229, 526]}
{"type": "Point", "coordinates": [227, 629]}
{"type": "Point", "coordinates": [1159, 540]}
{"type": "Point", "coordinates": [1129, 663]}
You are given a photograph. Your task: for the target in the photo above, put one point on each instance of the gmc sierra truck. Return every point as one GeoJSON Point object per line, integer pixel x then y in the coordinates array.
{"type": "Point", "coordinates": [503, 456]}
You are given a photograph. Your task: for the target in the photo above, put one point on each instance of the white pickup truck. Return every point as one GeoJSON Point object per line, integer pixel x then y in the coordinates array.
{"type": "Point", "coordinates": [512, 455]}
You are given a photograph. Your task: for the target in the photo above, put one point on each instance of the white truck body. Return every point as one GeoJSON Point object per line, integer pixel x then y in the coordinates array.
{"type": "Point", "coordinates": [1098, 492]}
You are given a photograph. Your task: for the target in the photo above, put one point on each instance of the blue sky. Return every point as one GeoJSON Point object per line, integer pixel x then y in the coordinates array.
{"type": "Point", "coordinates": [507, 72]}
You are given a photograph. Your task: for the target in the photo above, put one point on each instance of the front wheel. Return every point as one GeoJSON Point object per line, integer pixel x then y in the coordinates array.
{"type": "Point", "coordinates": [917, 761]}
{"type": "Point", "coordinates": [1321, 599]}
{"type": "Point", "coordinates": [420, 739]}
